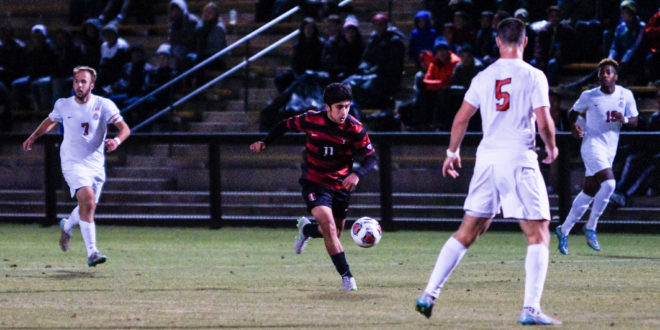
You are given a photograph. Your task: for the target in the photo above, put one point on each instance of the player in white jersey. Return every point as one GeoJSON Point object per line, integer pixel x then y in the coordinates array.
{"type": "Point", "coordinates": [85, 118]}
{"type": "Point", "coordinates": [606, 108]}
{"type": "Point", "coordinates": [512, 96]}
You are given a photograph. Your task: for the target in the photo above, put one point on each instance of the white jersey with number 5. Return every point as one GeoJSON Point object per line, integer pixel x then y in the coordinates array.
{"type": "Point", "coordinates": [85, 127]}
{"type": "Point", "coordinates": [507, 92]}
{"type": "Point", "coordinates": [601, 134]}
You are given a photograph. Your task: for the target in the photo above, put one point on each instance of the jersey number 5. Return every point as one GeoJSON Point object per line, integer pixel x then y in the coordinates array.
{"type": "Point", "coordinates": [86, 127]}
{"type": "Point", "coordinates": [502, 97]}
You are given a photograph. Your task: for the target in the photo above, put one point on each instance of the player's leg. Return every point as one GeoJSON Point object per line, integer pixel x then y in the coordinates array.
{"type": "Point", "coordinates": [579, 207]}
{"type": "Point", "coordinates": [328, 228]}
{"type": "Point", "coordinates": [607, 184]}
{"type": "Point", "coordinates": [67, 225]}
{"type": "Point", "coordinates": [536, 268]}
{"type": "Point", "coordinates": [450, 255]}
{"type": "Point", "coordinates": [313, 195]}
{"type": "Point", "coordinates": [87, 204]}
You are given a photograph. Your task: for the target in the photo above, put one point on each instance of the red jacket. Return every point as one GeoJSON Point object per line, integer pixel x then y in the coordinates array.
{"type": "Point", "coordinates": [438, 75]}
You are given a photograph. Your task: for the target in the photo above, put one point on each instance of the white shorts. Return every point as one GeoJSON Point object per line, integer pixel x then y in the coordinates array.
{"type": "Point", "coordinates": [519, 191]}
{"type": "Point", "coordinates": [595, 162]}
{"type": "Point", "coordinates": [80, 177]}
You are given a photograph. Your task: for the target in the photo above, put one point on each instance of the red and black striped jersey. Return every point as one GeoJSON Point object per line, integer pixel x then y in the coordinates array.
{"type": "Point", "coordinates": [330, 147]}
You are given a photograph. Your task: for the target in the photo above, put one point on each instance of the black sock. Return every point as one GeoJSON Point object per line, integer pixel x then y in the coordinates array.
{"type": "Point", "coordinates": [312, 230]}
{"type": "Point", "coordinates": [340, 263]}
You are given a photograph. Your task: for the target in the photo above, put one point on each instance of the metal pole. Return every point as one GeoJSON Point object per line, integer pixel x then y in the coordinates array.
{"type": "Point", "coordinates": [564, 180]}
{"type": "Point", "coordinates": [215, 186]}
{"type": "Point", "coordinates": [246, 82]}
{"type": "Point", "coordinates": [385, 165]}
{"type": "Point", "coordinates": [50, 153]}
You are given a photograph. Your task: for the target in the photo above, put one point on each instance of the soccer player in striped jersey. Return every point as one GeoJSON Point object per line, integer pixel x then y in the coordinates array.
{"type": "Point", "coordinates": [85, 118]}
{"type": "Point", "coordinates": [606, 108]}
{"type": "Point", "coordinates": [334, 138]}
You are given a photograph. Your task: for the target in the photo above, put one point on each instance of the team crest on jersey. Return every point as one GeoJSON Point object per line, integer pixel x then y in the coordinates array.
{"type": "Point", "coordinates": [311, 197]}
{"type": "Point", "coordinates": [95, 116]}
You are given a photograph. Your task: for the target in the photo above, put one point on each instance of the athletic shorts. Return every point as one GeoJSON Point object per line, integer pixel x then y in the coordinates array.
{"type": "Point", "coordinates": [316, 194]}
{"type": "Point", "coordinates": [519, 191]}
{"type": "Point", "coordinates": [80, 177]}
{"type": "Point", "coordinates": [596, 161]}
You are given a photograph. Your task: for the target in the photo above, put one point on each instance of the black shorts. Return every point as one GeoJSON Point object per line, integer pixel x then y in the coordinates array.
{"type": "Point", "coordinates": [316, 194]}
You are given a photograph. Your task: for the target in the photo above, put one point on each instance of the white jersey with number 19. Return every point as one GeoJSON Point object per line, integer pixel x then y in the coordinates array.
{"type": "Point", "coordinates": [507, 92]}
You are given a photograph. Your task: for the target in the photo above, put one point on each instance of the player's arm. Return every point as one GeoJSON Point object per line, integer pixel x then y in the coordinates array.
{"type": "Point", "coordinates": [576, 130]}
{"type": "Point", "coordinates": [547, 131]}
{"type": "Point", "coordinates": [42, 129]}
{"type": "Point", "coordinates": [274, 133]}
{"type": "Point", "coordinates": [122, 135]}
{"type": "Point", "coordinates": [367, 164]}
{"type": "Point", "coordinates": [458, 129]}
{"type": "Point", "coordinates": [630, 121]}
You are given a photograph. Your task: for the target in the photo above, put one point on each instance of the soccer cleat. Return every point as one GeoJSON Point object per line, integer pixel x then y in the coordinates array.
{"type": "Point", "coordinates": [424, 305]}
{"type": "Point", "coordinates": [563, 241]}
{"type": "Point", "coordinates": [348, 283]}
{"type": "Point", "coordinates": [95, 259]}
{"type": "Point", "coordinates": [301, 239]}
{"type": "Point", "coordinates": [65, 237]}
{"type": "Point", "coordinates": [592, 240]}
{"type": "Point", "coordinates": [530, 316]}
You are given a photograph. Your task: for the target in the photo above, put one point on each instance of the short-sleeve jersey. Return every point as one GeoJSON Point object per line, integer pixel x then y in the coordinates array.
{"type": "Point", "coordinates": [601, 134]}
{"type": "Point", "coordinates": [85, 127]}
{"type": "Point", "coordinates": [330, 147]}
{"type": "Point", "coordinates": [507, 92]}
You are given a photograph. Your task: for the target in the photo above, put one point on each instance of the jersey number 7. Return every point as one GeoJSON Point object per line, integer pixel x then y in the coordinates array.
{"type": "Point", "coordinates": [502, 97]}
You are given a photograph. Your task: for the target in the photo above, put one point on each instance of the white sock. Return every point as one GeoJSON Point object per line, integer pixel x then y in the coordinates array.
{"type": "Point", "coordinates": [449, 257]}
{"type": "Point", "coordinates": [88, 231]}
{"type": "Point", "coordinates": [601, 200]}
{"type": "Point", "coordinates": [72, 221]}
{"type": "Point", "coordinates": [536, 267]}
{"type": "Point", "coordinates": [580, 206]}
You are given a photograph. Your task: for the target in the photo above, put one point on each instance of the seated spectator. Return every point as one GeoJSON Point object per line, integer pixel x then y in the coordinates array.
{"type": "Point", "coordinates": [306, 55]}
{"type": "Point", "coordinates": [181, 34]}
{"type": "Point", "coordinates": [68, 56]}
{"type": "Point", "coordinates": [553, 46]}
{"type": "Point", "coordinates": [484, 44]}
{"type": "Point", "coordinates": [12, 56]}
{"type": "Point", "coordinates": [155, 76]}
{"type": "Point", "coordinates": [559, 114]}
{"type": "Point", "coordinates": [210, 36]}
{"type": "Point", "coordinates": [449, 36]}
{"type": "Point", "coordinates": [627, 39]}
{"type": "Point", "coordinates": [434, 97]}
{"type": "Point", "coordinates": [461, 80]}
{"type": "Point", "coordinates": [131, 84]}
{"type": "Point", "coordinates": [465, 33]}
{"type": "Point", "coordinates": [90, 42]}
{"type": "Point", "coordinates": [422, 37]}
{"type": "Point", "coordinates": [40, 56]}
{"type": "Point", "coordinates": [342, 54]}
{"type": "Point", "coordinates": [332, 27]}
{"type": "Point", "coordinates": [114, 54]}
{"type": "Point", "coordinates": [652, 44]}
{"type": "Point", "coordinates": [380, 72]}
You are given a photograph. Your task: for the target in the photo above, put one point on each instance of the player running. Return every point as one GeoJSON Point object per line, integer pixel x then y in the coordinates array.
{"type": "Point", "coordinates": [334, 137]}
{"type": "Point", "coordinates": [511, 95]}
{"type": "Point", "coordinates": [85, 118]}
{"type": "Point", "coordinates": [606, 108]}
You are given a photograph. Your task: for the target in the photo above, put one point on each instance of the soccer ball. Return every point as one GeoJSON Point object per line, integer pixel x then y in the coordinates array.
{"type": "Point", "coordinates": [366, 232]}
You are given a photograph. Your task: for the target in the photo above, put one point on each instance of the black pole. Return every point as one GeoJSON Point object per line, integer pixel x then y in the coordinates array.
{"type": "Point", "coordinates": [564, 180]}
{"type": "Point", "coordinates": [247, 76]}
{"type": "Point", "coordinates": [385, 165]}
{"type": "Point", "coordinates": [50, 182]}
{"type": "Point", "coordinates": [215, 187]}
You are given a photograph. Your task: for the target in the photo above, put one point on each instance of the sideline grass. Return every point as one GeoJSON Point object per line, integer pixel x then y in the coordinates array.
{"type": "Point", "coordinates": [251, 278]}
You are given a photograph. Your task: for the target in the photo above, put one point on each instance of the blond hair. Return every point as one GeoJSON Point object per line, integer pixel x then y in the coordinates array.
{"type": "Point", "coordinates": [89, 69]}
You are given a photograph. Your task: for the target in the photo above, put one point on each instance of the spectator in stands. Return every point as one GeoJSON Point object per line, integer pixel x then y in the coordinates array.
{"type": "Point", "coordinates": [434, 97]}
{"type": "Point", "coordinates": [40, 56]}
{"type": "Point", "coordinates": [652, 43]}
{"type": "Point", "coordinates": [68, 56]}
{"type": "Point", "coordinates": [523, 15]}
{"type": "Point", "coordinates": [380, 72]}
{"type": "Point", "coordinates": [159, 74]}
{"type": "Point", "coordinates": [5, 109]}
{"type": "Point", "coordinates": [114, 54]}
{"type": "Point", "coordinates": [181, 34]}
{"type": "Point", "coordinates": [306, 55]}
{"type": "Point", "coordinates": [332, 27]}
{"type": "Point", "coordinates": [465, 33]}
{"type": "Point", "coordinates": [130, 85]}
{"type": "Point", "coordinates": [559, 114]}
{"type": "Point", "coordinates": [553, 46]}
{"type": "Point", "coordinates": [342, 53]}
{"type": "Point", "coordinates": [90, 43]}
{"type": "Point", "coordinates": [210, 36]}
{"type": "Point", "coordinates": [12, 56]}
{"type": "Point", "coordinates": [466, 69]}
{"type": "Point", "coordinates": [642, 166]}
{"type": "Point", "coordinates": [449, 35]}
{"type": "Point", "coordinates": [484, 44]}
{"type": "Point", "coordinates": [627, 39]}
{"type": "Point", "coordinates": [422, 37]}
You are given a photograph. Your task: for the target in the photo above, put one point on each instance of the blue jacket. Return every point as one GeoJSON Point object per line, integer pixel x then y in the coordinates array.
{"type": "Point", "coordinates": [626, 40]}
{"type": "Point", "coordinates": [421, 40]}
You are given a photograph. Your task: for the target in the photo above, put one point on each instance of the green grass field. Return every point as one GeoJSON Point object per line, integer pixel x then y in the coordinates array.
{"type": "Point", "coordinates": [251, 278]}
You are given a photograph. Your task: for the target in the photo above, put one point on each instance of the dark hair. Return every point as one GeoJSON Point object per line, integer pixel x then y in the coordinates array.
{"type": "Point", "coordinates": [337, 92]}
{"type": "Point", "coordinates": [511, 31]}
{"type": "Point", "coordinates": [608, 61]}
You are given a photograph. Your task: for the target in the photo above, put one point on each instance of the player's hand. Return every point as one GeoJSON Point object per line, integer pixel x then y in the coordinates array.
{"type": "Point", "coordinates": [448, 166]}
{"type": "Point", "coordinates": [617, 116]}
{"type": "Point", "coordinates": [27, 145]}
{"type": "Point", "coordinates": [552, 154]}
{"type": "Point", "coordinates": [111, 145]}
{"type": "Point", "coordinates": [350, 182]}
{"type": "Point", "coordinates": [576, 131]}
{"type": "Point", "coordinates": [258, 146]}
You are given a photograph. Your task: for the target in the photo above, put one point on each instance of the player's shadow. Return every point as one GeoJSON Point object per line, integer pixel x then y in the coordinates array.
{"type": "Point", "coordinates": [71, 275]}
{"type": "Point", "coordinates": [345, 296]}
{"type": "Point", "coordinates": [631, 257]}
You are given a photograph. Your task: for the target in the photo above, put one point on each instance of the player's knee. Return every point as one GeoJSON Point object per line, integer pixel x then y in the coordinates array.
{"type": "Point", "coordinates": [590, 186]}
{"type": "Point", "coordinates": [607, 187]}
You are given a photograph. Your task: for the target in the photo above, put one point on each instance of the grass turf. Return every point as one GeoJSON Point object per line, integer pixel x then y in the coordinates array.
{"type": "Point", "coordinates": [251, 278]}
